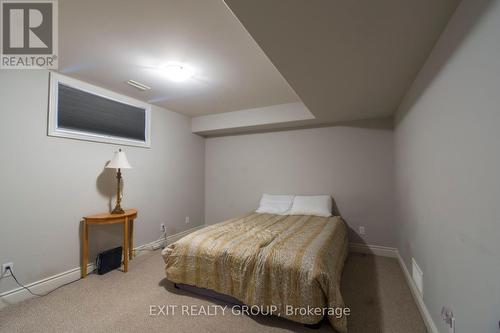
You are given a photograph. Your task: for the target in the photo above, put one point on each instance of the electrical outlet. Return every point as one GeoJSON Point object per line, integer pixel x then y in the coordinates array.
{"type": "Point", "coordinates": [5, 271]}
{"type": "Point", "coordinates": [362, 230]}
{"type": "Point", "coordinates": [186, 220]}
{"type": "Point", "coordinates": [449, 318]}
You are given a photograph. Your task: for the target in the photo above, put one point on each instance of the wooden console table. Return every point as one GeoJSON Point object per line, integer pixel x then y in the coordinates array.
{"type": "Point", "coordinates": [126, 218]}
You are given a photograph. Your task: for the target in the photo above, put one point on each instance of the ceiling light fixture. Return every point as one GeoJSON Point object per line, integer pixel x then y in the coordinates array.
{"type": "Point", "coordinates": [177, 72]}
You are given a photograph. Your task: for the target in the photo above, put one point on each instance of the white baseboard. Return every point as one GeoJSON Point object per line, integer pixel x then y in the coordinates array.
{"type": "Point", "coordinates": [42, 286]}
{"type": "Point", "coordinates": [170, 239]}
{"type": "Point", "coordinates": [174, 238]}
{"type": "Point", "coordinates": [429, 322]}
{"type": "Point", "coordinates": [382, 251]}
{"type": "Point", "coordinates": [50, 283]}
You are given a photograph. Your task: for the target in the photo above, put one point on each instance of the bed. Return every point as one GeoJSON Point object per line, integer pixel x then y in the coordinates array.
{"type": "Point", "coordinates": [282, 262]}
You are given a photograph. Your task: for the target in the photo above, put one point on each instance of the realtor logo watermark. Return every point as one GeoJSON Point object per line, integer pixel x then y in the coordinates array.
{"type": "Point", "coordinates": [28, 34]}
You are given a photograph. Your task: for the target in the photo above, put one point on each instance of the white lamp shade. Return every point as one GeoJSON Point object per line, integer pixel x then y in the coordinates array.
{"type": "Point", "coordinates": [119, 161]}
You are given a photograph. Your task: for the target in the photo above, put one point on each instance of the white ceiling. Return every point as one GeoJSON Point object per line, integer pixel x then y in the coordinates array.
{"type": "Point", "coordinates": [346, 59]}
{"type": "Point", "coordinates": [109, 42]}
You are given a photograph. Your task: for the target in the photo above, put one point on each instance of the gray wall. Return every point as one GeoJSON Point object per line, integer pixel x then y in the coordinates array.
{"type": "Point", "coordinates": [47, 184]}
{"type": "Point", "coordinates": [448, 165]}
{"type": "Point", "coordinates": [354, 165]}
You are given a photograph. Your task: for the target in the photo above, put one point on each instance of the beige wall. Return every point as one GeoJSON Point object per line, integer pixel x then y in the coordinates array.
{"type": "Point", "coordinates": [354, 165]}
{"type": "Point", "coordinates": [448, 167]}
{"type": "Point", "coordinates": [47, 184]}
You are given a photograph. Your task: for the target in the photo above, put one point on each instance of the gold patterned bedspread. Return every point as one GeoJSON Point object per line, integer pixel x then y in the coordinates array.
{"type": "Point", "coordinates": [291, 262]}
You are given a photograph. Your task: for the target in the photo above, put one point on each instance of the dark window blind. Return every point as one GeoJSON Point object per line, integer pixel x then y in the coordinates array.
{"type": "Point", "coordinates": [82, 111]}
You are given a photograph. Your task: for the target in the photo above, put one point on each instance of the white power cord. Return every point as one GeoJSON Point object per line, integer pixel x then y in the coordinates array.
{"type": "Point", "coordinates": [36, 294]}
{"type": "Point", "coordinates": [162, 239]}
{"type": "Point", "coordinates": [164, 234]}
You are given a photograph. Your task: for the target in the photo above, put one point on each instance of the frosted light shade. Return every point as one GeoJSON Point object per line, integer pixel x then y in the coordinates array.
{"type": "Point", "coordinates": [177, 72]}
{"type": "Point", "coordinates": [119, 161]}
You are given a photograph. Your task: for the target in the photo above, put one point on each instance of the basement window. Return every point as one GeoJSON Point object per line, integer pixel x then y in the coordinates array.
{"type": "Point", "coordinates": [81, 111]}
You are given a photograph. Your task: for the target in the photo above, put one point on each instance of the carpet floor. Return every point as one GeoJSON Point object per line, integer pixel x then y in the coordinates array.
{"type": "Point", "coordinates": [374, 288]}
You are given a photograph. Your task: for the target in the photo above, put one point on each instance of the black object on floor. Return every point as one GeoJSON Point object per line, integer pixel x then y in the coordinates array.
{"type": "Point", "coordinates": [109, 260]}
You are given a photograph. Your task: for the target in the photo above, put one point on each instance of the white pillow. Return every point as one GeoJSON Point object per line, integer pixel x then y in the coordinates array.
{"type": "Point", "coordinates": [318, 205]}
{"type": "Point", "coordinates": [275, 204]}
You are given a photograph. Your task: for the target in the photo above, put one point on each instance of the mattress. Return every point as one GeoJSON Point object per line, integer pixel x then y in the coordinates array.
{"type": "Point", "coordinates": [290, 265]}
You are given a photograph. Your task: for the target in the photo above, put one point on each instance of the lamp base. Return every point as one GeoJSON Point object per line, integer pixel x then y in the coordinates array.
{"type": "Point", "coordinates": [118, 210]}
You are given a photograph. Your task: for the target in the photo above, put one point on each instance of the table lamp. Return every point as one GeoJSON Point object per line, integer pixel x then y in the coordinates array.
{"type": "Point", "coordinates": [119, 162]}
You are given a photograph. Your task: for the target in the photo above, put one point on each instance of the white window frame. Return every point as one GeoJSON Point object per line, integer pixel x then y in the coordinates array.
{"type": "Point", "coordinates": [54, 130]}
